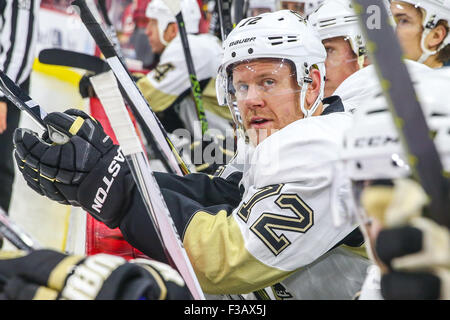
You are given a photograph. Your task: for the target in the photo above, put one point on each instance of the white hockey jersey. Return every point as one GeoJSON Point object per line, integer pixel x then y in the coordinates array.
{"type": "Point", "coordinates": [282, 234]}
{"type": "Point", "coordinates": [364, 84]}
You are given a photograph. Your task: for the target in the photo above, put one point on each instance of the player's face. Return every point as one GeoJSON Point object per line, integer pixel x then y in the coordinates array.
{"type": "Point", "coordinates": [294, 6]}
{"type": "Point", "coordinates": [341, 62]}
{"type": "Point", "coordinates": [409, 28]}
{"type": "Point", "coordinates": [267, 95]}
{"type": "Point", "coordinates": [152, 32]}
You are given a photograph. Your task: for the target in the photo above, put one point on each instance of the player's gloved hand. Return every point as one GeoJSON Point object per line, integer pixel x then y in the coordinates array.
{"type": "Point", "coordinates": [211, 153]}
{"type": "Point", "coordinates": [51, 275]}
{"type": "Point", "coordinates": [88, 171]}
{"type": "Point", "coordinates": [415, 249]}
{"type": "Point", "coordinates": [85, 87]}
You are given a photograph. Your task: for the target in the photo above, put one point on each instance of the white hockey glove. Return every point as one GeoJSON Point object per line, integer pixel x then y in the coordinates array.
{"type": "Point", "coordinates": [414, 248]}
{"type": "Point", "coordinates": [51, 275]}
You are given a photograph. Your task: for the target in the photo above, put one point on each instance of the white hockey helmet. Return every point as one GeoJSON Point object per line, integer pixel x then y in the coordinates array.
{"type": "Point", "coordinates": [372, 148]}
{"type": "Point", "coordinates": [435, 10]}
{"type": "Point", "coordinates": [283, 35]}
{"type": "Point", "coordinates": [159, 11]}
{"type": "Point", "coordinates": [337, 18]}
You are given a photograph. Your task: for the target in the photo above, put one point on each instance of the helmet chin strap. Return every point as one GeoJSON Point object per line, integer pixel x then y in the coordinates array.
{"type": "Point", "coordinates": [425, 52]}
{"type": "Point", "coordinates": [428, 53]}
{"type": "Point", "coordinates": [306, 82]}
{"type": "Point", "coordinates": [161, 32]}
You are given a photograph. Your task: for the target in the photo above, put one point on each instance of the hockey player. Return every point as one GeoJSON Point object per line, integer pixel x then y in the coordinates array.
{"type": "Point", "coordinates": [275, 227]}
{"type": "Point", "coordinates": [339, 30]}
{"type": "Point", "coordinates": [423, 30]}
{"type": "Point", "coordinates": [167, 88]}
{"type": "Point", "coordinates": [50, 275]}
{"type": "Point", "coordinates": [411, 252]}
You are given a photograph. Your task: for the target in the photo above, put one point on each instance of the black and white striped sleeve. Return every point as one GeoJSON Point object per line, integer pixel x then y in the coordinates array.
{"type": "Point", "coordinates": [18, 35]}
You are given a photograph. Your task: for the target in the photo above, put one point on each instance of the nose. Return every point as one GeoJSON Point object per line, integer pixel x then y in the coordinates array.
{"type": "Point", "coordinates": [254, 98]}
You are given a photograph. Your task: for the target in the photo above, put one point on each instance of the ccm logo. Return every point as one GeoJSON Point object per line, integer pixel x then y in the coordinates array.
{"type": "Point", "coordinates": [376, 141]}
{"type": "Point", "coordinates": [113, 170]}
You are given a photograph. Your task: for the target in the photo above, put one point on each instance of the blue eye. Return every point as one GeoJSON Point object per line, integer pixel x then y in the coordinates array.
{"type": "Point", "coordinates": [242, 87]}
{"type": "Point", "coordinates": [269, 82]}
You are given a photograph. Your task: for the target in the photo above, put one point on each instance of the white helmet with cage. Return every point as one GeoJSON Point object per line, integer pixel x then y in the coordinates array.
{"type": "Point", "coordinates": [283, 35]}
{"type": "Point", "coordinates": [337, 18]}
{"type": "Point", "coordinates": [435, 10]}
{"type": "Point", "coordinates": [159, 11]}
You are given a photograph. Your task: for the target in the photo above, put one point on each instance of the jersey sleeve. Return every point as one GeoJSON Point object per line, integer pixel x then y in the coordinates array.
{"type": "Point", "coordinates": [283, 222]}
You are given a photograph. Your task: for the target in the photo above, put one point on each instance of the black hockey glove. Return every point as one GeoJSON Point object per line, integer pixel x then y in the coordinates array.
{"type": "Point", "coordinates": [88, 171]}
{"type": "Point", "coordinates": [418, 257]}
{"type": "Point", "coordinates": [51, 275]}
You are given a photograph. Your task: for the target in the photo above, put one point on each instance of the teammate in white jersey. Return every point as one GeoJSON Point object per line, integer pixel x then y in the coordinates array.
{"type": "Point", "coordinates": [269, 225]}
{"type": "Point", "coordinates": [423, 30]}
{"type": "Point", "coordinates": [410, 252]}
{"type": "Point", "coordinates": [338, 26]}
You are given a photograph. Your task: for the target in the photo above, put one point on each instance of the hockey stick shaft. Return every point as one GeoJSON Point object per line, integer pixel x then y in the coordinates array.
{"type": "Point", "coordinates": [73, 59]}
{"type": "Point", "coordinates": [22, 101]}
{"type": "Point", "coordinates": [174, 6]}
{"type": "Point", "coordinates": [110, 28]}
{"type": "Point", "coordinates": [224, 11]}
{"type": "Point", "coordinates": [19, 238]}
{"type": "Point", "coordinates": [423, 157]}
{"type": "Point", "coordinates": [108, 91]}
{"type": "Point", "coordinates": [132, 94]}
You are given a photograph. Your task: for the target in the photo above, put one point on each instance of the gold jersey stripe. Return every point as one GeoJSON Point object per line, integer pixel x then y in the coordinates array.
{"type": "Point", "coordinates": [223, 265]}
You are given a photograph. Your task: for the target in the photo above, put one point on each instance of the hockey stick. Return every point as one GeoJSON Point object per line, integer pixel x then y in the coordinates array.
{"type": "Point", "coordinates": [22, 101]}
{"type": "Point", "coordinates": [175, 8]}
{"type": "Point", "coordinates": [19, 238]}
{"type": "Point", "coordinates": [224, 10]}
{"type": "Point", "coordinates": [240, 10]}
{"type": "Point", "coordinates": [423, 158]}
{"type": "Point", "coordinates": [110, 28]}
{"type": "Point", "coordinates": [132, 94]}
{"type": "Point", "coordinates": [73, 59]}
{"type": "Point", "coordinates": [107, 90]}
